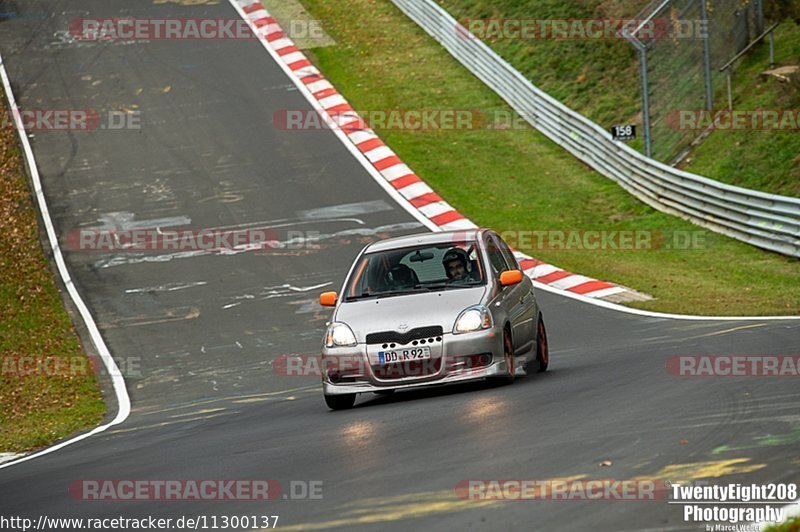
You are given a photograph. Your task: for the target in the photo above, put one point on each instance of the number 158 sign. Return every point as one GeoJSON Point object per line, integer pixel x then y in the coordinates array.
{"type": "Point", "coordinates": [623, 132]}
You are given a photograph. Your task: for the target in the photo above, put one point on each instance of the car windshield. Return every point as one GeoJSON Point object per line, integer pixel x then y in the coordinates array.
{"type": "Point", "coordinates": [434, 267]}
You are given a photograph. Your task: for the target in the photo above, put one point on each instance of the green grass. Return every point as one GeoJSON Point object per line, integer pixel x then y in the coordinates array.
{"type": "Point", "coordinates": [793, 525]}
{"type": "Point", "coordinates": [518, 180]}
{"type": "Point", "coordinates": [600, 79]}
{"type": "Point", "coordinates": [763, 160]}
{"type": "Point", "coordinates": [39, 407]}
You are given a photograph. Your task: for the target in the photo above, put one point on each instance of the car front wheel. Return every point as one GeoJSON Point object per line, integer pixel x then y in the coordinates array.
{"type": "Point", "coordinates": [508, 354]}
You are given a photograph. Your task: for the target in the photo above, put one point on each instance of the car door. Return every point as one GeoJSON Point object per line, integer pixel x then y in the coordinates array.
{"type": "Point", "coordinates": [510, 298]}
{"type": "Point", "coordinates": [531, 309]}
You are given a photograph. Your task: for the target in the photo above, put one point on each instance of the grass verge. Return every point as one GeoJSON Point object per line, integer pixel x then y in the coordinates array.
{"type": "Point", "coordinates": [518, 180]}
{"type": "Point", "coordinates": [48, 389]}
{"type": "Point", "coordinates": [793, 525]}
{"type": "Point", "coordinates": [767, 160]}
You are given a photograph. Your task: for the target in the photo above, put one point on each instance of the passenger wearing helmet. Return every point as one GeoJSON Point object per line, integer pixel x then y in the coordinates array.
{"type": "Point", "coordinates": [455, 265]}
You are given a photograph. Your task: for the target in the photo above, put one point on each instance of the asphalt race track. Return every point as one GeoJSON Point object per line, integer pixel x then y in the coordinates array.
{"type": "Point", "coordinates": [199, 331]}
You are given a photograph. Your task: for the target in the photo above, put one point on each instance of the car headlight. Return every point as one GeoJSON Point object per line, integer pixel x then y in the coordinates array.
{"type": "Point", "coordinates": [473, 319]}
{"type": "Point", "coordinates": [339, 335]}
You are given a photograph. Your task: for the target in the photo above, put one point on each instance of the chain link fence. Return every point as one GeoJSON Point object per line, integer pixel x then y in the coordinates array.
{"type": "Point", "coordinates": [680, 62]}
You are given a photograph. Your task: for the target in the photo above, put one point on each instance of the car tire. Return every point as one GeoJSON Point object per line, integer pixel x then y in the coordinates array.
{"type": "Point", "coordinates": [508, 355]}
{"type": "Point", "coordinates": [542, 347]}
{"type": "Point", "coordinates": [541, 350]}
{"type": "Point", "coordinates": [340, 402]}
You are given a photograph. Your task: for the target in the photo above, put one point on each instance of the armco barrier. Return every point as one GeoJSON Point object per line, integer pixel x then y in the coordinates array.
{"type": "Point", "coordinates": [768, 221]}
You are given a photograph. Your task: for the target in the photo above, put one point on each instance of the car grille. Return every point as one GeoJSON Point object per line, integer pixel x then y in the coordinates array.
{"type": "Point", "coordinates": [403, 338]}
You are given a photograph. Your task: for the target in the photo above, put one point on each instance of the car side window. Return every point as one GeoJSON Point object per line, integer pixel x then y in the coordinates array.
{"type": "Point", "coordinates": [508, 254]}
{"type": "Point", "coordinates": [496, 258]}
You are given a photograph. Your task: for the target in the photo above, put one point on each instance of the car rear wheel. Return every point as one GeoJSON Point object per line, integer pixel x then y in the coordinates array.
{"type": "Point", "coordinates": [540, 362]}
{"type": "Point", "coordinates": [542, 348]}
{"type": "Point", "coordinates": [340, 402]}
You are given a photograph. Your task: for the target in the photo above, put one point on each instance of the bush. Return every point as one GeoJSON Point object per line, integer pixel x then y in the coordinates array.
{"type": "Point", "coordinates": [777, 10]}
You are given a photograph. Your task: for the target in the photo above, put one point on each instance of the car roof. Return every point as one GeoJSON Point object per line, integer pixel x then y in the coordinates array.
{"type": "Point", "coordinates": [464, 235]}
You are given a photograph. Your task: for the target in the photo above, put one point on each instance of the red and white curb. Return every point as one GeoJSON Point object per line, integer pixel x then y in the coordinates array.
{"type": "Point", "coordinates": [408, 184]}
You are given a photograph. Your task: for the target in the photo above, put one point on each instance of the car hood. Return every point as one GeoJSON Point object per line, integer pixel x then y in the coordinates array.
{"type": "Point", "coordinates": [413, 310]}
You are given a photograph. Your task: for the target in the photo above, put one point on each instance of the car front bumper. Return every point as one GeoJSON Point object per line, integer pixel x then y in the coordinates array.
{"type": "Point", "coordinates": [354, 367]}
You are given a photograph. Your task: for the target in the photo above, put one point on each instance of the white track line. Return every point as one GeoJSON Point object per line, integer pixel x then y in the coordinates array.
{"type": "Point", "coordinates": [123, 401]}
{"type": "Point", "coordinates": [650, 314]}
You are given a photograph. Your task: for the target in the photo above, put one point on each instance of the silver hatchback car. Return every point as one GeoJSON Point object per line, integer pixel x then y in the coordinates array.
{"type": "Point", "coordinates": [434, 308]}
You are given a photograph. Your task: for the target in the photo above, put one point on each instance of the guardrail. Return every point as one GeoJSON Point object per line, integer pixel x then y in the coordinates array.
{"type": "Point", "coordinates": [764, 220]}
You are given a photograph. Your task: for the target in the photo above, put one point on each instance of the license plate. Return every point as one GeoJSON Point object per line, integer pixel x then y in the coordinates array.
{"type": "Point", "coordinates": [404, 355]}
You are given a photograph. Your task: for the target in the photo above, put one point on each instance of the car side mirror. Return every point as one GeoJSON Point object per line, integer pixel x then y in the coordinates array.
{"type": "Point", "coordinates": [510, 277]}
{"type": "Point", "coordinates": [328, 299]}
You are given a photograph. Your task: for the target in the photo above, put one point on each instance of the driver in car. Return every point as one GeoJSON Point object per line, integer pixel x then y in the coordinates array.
{"type": "Point", "coordinates": [455, 266]}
